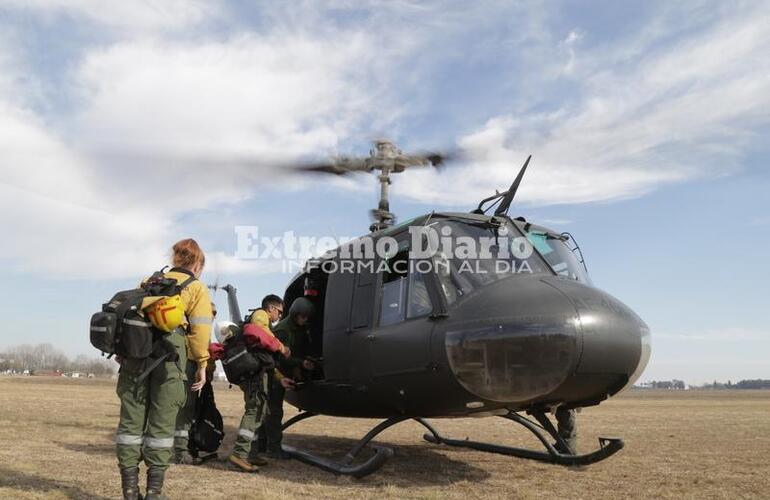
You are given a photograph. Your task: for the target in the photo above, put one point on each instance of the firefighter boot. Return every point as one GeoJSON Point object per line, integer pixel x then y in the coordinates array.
{"type": "Point", "coordinates": [129, 479]}
{"type": "Point", "coordinates": [155, 476]}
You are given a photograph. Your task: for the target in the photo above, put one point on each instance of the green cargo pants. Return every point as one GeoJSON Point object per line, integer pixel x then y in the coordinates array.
{"type": "Point", "coordinates": [567, 427]}
{"type": "Point", "coordinates": [148, 409]}
{"type": "Point", "coordinates": [255, 402]}
{"type": "Point", "coordinates": [186, 415]}
{"type": "Point", "coordinates": [271, 435]}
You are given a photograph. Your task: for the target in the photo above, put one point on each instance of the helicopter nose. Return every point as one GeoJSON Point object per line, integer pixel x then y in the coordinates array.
{"type": "Point", "coordinates": [615, 341]}
{"type": "Point", "coordinates": [545, 339]}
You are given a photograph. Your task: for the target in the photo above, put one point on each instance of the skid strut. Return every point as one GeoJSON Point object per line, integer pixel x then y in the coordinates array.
{"type": "Point", "coordinates": [346, 465]}
{"type": "Point", "coordinates": [607, 446]}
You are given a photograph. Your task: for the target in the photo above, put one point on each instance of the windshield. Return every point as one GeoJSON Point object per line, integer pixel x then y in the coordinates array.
{"type": "Point", "coordinates": [473, 255]}
{"type": "Point", "coordinates": [558, 254]}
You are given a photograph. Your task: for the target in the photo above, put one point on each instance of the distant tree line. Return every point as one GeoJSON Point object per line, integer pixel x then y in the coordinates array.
{"type": "Point", "coordinates": [680, 385]}
{"type": "Point", "coordinates": [45, 357]}
{"type": "Point", "coordinates": [742, 384]}
{"type": "Point", "coordinates": [753, 384]}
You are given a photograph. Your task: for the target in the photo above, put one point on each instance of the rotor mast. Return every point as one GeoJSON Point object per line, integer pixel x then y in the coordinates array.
{"type": "Point", "coordinates": [383, 159]}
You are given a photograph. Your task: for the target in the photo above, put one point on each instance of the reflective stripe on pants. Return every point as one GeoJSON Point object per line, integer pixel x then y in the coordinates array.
{"type": "Point", "coordinates": [128, 439]}
{"type": "Point", "coordinates": [158, 443]}
{"type": "Point", "coordinates": [246, 434]}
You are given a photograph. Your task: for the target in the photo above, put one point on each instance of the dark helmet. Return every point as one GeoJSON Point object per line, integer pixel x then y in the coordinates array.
{"type": "Point", "coordinates": [301, 306]}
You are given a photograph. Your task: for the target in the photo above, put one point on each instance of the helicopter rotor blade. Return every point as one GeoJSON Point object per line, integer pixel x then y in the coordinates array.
{"type": "Point", "coordinates": [244, 163]}
{"type": "Point", "coordinates": [505, 204]}
{"type": "Point", "coordinates": [437, 159]}
{"type": "Point", "coordinates": [327, 168]}
{"type": "Point", "coordinates": [215, 286]}
{"type": "Point", "coordinates": [337, 166]}
{"type": "Point", "coordinates": [440, 159]}
{"type": "Point", "coordinates": [248, 162]}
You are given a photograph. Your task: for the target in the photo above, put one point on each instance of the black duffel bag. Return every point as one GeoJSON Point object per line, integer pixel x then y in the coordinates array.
{"type": "Point", "coordinates": [207, 431]}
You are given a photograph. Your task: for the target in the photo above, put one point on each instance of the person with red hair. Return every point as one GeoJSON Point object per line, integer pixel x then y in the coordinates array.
{"type": "Point", "coordinates": [150, 406]}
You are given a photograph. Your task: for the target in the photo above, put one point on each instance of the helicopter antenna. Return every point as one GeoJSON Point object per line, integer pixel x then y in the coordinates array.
{"type": "Point", "coordinates": [507, 198]}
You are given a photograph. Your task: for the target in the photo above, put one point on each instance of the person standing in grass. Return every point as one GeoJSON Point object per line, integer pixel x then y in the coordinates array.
{"type": "Point", "coordinates": [246, 456]}
{"type": "Point", "coordinates": [293, 332]}
{"type": "Point", "coordinates": [149, 406]}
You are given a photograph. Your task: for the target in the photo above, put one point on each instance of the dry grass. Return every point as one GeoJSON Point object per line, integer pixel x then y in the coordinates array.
{"type": "Point", "coordinates": [57, 443]}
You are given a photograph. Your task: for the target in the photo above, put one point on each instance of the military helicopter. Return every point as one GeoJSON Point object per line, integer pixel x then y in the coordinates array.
{"type": "Point", "coordinates": [398, 343]}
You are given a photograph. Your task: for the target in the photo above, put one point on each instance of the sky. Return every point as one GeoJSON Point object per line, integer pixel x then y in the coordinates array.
{"type": "Point", "coordinates": [127, 126]}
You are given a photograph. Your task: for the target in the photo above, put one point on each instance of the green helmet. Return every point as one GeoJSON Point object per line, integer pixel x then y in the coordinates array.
{"type": "Point", "coordinates": [301, 306]}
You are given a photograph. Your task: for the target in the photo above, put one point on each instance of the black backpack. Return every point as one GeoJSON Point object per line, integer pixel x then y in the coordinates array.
{"type": "Point", "coordinates": [120, 328]}
{"type": "Point", "coordinates": [207, 431]}
{"type": "Point", "coordinates": [248, 317]}
{"type": "Point", "coordinates": [243, 363]}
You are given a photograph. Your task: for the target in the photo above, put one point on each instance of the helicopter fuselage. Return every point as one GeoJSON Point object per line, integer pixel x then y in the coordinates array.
{"type": "Point", "coordinates": [446, 345]}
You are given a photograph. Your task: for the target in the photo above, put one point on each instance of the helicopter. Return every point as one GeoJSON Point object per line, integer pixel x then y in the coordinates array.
{"type": "Point", "coordinates": [405, 334]}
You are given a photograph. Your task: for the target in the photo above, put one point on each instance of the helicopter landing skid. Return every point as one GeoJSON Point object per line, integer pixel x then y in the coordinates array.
{"type": "Point", "coordinates": [346, 465]}
{"type": "Point", "coordinates": [607, 446]}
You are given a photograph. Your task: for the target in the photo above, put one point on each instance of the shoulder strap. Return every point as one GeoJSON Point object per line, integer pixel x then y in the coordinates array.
{"type": "Point", "coordinates": [186, 282]}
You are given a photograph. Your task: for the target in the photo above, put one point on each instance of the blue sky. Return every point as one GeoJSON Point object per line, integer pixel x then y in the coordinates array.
{"type": "Point", "coordinates": [120, 125]}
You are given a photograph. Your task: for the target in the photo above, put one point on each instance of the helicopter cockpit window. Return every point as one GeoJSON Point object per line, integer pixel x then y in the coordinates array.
{"type": "Point", "coordinates": [443, 268]}
{"type": "Point", "coordinates": [394, 281]}
{"type": "Point", "coordinates": [404, 293]}
{"type": "Point", "coordinates": [558, 255]}
{"type": "Point", "coordinates": [419, 300]}
{"type": "Point", "coordinates": [472, 255]}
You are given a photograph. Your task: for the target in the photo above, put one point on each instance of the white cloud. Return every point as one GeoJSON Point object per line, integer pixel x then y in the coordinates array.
{"type": "Point", "coordinates": [54, 219]}
{"type": "Point", "coordinates": [201, 109]}
{"type": "Point", "coordinates": [566, 167]}
{"type": "Point", "coordinates": [568, 45]}
{"type": "Point", "coordinates": [133, 15]}
{"type": "Point", "coordinates": [250, 95]}
{"type": "Point", "coordinates": [220, 263]}
{"type": "Point", "coordinates": [681, 111]}
{"type": "Point", "coordinates": [83, 200]}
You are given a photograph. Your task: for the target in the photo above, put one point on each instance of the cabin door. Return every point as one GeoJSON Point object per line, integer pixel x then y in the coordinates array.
{"type": "Point", "coordinates": [399, 341]}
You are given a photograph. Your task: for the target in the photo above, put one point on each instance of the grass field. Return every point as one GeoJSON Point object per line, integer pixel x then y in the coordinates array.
{"type": "Point", "coordinates": [56, 437]}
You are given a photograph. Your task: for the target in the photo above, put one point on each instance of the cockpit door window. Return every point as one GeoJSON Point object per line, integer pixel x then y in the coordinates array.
{"type": "Point", "coordinates": [404, 291]}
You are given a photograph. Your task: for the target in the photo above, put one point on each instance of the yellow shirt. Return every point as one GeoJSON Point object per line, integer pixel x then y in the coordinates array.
{"type": "Point", "coordinates": [260, 318]}
{"type": "Point", "coordinates": [198, 317]}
